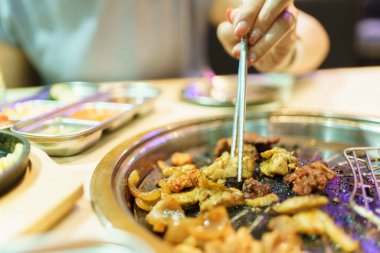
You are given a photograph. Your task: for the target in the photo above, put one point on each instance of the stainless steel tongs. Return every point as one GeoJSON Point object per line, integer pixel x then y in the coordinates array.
{"type": "Point", "coordinates": [240, 106]}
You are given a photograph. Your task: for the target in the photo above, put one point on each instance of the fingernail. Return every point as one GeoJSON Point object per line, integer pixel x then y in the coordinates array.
{"type": "Point", "coordinates": [236, 51]}
{"type": "Point", "coordinates": [252, 58]}
{"type": "Point", "coordinates": [228, 14]}
{"type": "Point", "coordinates": [255, 35]}
{"type": "Point", "coordinates": [241, 28]}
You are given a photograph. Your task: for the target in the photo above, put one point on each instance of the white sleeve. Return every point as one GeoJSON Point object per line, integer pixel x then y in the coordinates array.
{"type": "Point", "coordinates": [6, 24]}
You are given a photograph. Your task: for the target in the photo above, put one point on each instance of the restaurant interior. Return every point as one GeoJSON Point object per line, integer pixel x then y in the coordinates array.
{"type": "Point", "coordinates": [226, 159]}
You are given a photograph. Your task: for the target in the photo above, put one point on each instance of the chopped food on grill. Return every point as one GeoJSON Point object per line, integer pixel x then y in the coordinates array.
{"type": "Point", "coordinates": [179, 159]}
{"type": "Point", "coordinates": [211, 189]}
{"type": "Point", "coordinates": [279, 242]}
{"type": "Point", "coordinates": [309, 178]}
{"type": "Point", "coordinates": [279, 161]}
{"type": "Point", "coordinates": [241, 241]}
{"type": "Point", "coordinates": [228, 198]}
{"type": "Point", "coordinates": [224, 145]}
{"type": "Point", "coordinates": [253, 189]}
{"type": "Point", "coordinates": [299, 203]}
{"type": "Point", "coordinates": [265, 200]}
{"type": "Point", "coordinates": [163, 212]}
{"type": "Point", "coordinates": [315, 222]}
{"type": "Point", "coordinates": [133, 179]}
{"type": "Point", "coordinates": [183, 178]}
{"type": "Point", "coordinates": [226, 167]}
{"type": "Point", "coordinates": [185, 199]}
{"type": "Point", "coordinates": [252, 141]}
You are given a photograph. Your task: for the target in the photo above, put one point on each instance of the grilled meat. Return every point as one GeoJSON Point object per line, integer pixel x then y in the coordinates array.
{"type": "Point", "coordinates": [253, 189]}
{"type": "Point", "coordinates": [179, 159]}
{"type": "Point", "coordinates": [296, 204]}
{"type": "Point", "coordinates": [163, 212]}
{"type": "Point", "coordinates": [309, 178]}
{"type": "Point", "coordinates": [226, 167]}
{"type": "Point", "coordinates": [279, 162]}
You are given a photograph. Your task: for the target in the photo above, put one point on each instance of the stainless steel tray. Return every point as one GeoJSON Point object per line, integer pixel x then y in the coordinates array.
{"type": "Point", "coordinates": [68, 131]}
{"type": "Point", "coordinates": [270, 90]}
{"type": "Point", "coordinates": [316, 135]}
{"type": "Point", "coordinates": [53, 96]}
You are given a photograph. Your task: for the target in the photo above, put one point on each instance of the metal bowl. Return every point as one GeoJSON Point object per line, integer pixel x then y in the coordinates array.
{"type": "Point", "coordinates": [8, 142]}
{"type": "Point", "coordinates": [326, 133]}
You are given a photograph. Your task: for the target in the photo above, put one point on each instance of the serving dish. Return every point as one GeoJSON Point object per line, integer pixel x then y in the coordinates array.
{"type": "Point", "coordinates": [8, 142]}
{"type": "Point", "coordinates": [47, 99]}
{"type": "Point", "coordinates": [313, 135]}
{"type": "Point", "coordinates": [70, 129]}
{"type": "Point", "coordinates": [271, 90]}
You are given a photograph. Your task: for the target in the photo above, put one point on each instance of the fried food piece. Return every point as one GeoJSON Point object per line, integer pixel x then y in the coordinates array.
{"type": "Point", "coordinates": [229, 197]}
{"type": "Point", "coordinates": [184, 248]}
{"type": "Point", "coordinates": [251, 140]}
{"type": "Point", "coordinates": [241, 241]}
{"type": "Point", "coordinates": [168, 171]}
{"type": "Point", "coordinates": [179, 159]}
{"type": "Point", "coordinates": [224, 145]}
{"type": "Point", "coordinates": [279, 162]}
{"type": "Point", "coordinates": [164, 212]}
{"type": "Point", "coordinates": [133, 179]}
{"type": "Point", "coordinates": [265, 200]}
{"type": "Point", "coordinates": [309, 178]}
{"type": "Point", "coordinates": [210, 226]}
{"type": "Point", "coordinates": [185, 199]}
{"type": "Point", "coordinates": [314, 222]}
{"type": "Point", "coordinates": [279, 242]}
{"type": "Point", "coordinates": [226, 167]}
{"type": "Point", "coordinates": [318, 222]}
{"type": "Point", "coordinates": [296, 204]}
{"type": "Point", "coordinates": [253, 189]}
{"type": "Point", "coordinates": [182, 179]}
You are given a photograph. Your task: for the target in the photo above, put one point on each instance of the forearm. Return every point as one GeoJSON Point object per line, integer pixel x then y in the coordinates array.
{"type": "Point", "coordinates": [16, 69]}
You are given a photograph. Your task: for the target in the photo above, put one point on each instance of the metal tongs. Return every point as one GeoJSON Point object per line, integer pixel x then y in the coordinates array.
{"type": "Point", "coordinates": [240, 107]}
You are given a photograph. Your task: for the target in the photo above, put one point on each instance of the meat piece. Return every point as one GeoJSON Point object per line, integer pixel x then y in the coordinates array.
{"type": "Point", "coordinates": [168, 171]}
{"type": "Point", "coordinates": [226, 167]}
{"type": "Point", "coordinates": [179, 159]}
{"type": "Point", "coordinates": [241, 242]}
{"type": "Point", "coordinates": [279, 162]}
{"type": "Point", "coordinates": [279, 242]}
{"type": "Point", "coordinates": [296, 204]}
{"type": "Point", "coordinates": [309, 178]}
{"type": "Point", "coordinates": [182, 179]}
{"type": "Point", "coordinates": [224, 145]}
{"type": "Point", "coordinates": [258, 140]}
{"type": "Point", "coordinates": [163, 212]}
{"type": "Point", "coordinates": [318, 222]}
{"type": "Point", "coordinates": [265, 200]}
{"type": "Point", "coordinates": [229, 197]}
{"type": "Point", "coordinates": [185, 199]}
{"type": "Point", "coordinates": [314, 222]}
{"type": "Point", "coordinates": [210, 226]}
{"type": "Point", "coordinates": [253, 189]}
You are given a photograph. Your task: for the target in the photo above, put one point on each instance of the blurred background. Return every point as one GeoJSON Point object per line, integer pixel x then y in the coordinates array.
{"type": "Point", "coordinates": [353, 27]}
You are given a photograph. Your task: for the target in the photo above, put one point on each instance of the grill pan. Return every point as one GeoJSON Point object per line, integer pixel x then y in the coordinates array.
{"type": "Point", "coordinates": [313, 136]}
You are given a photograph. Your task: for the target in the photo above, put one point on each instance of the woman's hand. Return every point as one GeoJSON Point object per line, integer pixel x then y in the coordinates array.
{"type": "Point", "coordinates": [270, 26]}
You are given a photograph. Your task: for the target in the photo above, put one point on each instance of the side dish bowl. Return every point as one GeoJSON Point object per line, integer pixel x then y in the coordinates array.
{"type": "Point", "coordinates": [17, 168]}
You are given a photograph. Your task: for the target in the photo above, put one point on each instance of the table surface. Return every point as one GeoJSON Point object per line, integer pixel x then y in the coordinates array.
{"type": "Point", "coordinates": [347, 90]}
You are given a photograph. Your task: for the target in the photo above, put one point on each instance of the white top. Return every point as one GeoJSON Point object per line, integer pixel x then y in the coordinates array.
{"type": "Point", "coordinates": [98, 40]}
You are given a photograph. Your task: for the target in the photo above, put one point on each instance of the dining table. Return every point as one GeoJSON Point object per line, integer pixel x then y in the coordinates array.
{"type": "Point", "coordinates": [348, 91]}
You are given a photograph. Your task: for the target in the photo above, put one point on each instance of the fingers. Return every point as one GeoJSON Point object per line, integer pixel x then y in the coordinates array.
{"type": "Point", "coordinates": [227, 38]}
{"type": "Point", "coordinates": [268, 14]}
{"type": "Point", "coordinates": [284, 24]}
{"type": "Point", "coordinates": [245, 16]}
